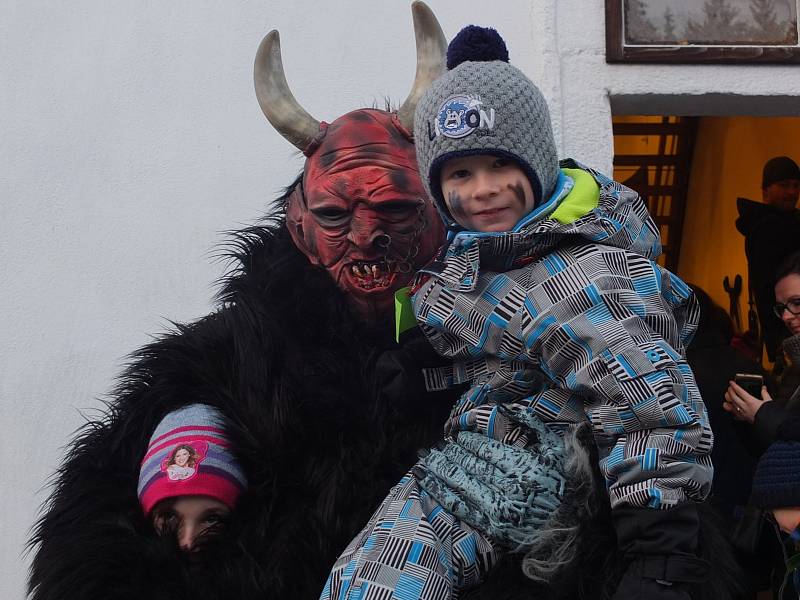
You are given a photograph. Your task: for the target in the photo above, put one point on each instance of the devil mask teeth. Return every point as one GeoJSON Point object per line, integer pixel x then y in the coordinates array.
{"type": "Point", "coordinates": [372, 274]}
{"type": "Point", "coordinates": [370, 269]}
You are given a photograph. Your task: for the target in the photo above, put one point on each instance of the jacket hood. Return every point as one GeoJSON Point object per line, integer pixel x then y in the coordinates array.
{"type": "Point", "coordinates": [752, 212]}
{"type": "Point", "coordinates": [586, 207]}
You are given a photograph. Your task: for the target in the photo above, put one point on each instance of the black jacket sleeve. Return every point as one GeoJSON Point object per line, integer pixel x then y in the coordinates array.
{"type": "Point", "coordinates": [768, 419]}
{"type": "Point", "coordinates": [661, 547]}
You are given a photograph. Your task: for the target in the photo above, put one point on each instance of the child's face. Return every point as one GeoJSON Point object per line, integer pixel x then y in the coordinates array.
{"type": "Point", "coordinates": [188, 517]}
{"type": "Point", "coordinates": [787, 518]}
{"type": "Point", "coordinates": [485, 192]}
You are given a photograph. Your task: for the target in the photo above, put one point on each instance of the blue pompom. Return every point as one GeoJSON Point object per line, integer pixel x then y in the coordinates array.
{"type": "Point", "coordinates": [477, 44]}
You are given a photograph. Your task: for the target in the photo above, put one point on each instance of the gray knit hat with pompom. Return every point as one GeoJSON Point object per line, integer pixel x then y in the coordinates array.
{"type": "Point", "coordinates": [483, 105]}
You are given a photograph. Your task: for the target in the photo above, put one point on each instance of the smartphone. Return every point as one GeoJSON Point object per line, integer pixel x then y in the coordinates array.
{"type": "Point", "coordinates": [750, 383]}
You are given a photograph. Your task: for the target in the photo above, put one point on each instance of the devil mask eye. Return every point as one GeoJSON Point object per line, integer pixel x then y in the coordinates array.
{"type": "Point", "coordinates": [331, 216]}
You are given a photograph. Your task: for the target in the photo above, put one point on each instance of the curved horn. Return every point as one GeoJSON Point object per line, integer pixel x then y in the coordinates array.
{"type": "Point", "coordinates": [276, 99]}
{"type": "Point", "coordinates": [431, 59]}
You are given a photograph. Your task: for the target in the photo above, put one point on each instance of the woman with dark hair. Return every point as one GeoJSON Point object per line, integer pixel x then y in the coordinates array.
{"type": "Point", "coordinates": [765, 414]}
{"type": "Point", "coordinates": [775, 485]}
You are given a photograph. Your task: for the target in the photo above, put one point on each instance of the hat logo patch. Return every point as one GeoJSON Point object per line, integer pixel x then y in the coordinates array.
{"type": "Point", "coordinates": [459, 116]}
{"type": "Point", "coordinates": [183, 460]}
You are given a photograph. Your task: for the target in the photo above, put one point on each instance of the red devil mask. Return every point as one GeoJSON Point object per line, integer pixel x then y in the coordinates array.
{"type": "Point", "coordinates": [361, 213]}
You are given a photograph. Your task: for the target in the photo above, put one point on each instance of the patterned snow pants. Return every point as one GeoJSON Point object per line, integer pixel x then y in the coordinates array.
{"type": "Point", "coordinates": [411, 549]}
{"type": "Point", "coordinates": [414, 549]}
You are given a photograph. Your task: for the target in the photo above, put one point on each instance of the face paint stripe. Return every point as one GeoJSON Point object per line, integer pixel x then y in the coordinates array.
{"type": "Point", "coordinates": [454, 203]}
{"type": "Point", "coordinates": [519, 193]}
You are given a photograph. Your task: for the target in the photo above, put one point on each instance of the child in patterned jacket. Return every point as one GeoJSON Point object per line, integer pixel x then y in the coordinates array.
{"type": "Point", "coordinates": [548, 299]}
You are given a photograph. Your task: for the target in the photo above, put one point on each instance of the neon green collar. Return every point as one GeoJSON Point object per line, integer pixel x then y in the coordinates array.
{"type": "Point", "coordinates": [583, 198]}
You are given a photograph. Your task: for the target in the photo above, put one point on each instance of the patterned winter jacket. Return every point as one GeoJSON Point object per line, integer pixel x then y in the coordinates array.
{"type": "Point", "coordinates": [570, 312]}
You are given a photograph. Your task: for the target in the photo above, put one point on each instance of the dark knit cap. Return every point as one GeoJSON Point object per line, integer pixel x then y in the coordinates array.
{"type": "Point", "coordinates": [776, 482]}
{"type": "Point", "coordinates": [779, 168]}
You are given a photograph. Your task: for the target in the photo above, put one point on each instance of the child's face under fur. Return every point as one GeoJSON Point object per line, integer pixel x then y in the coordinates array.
{"type": "Point", "coordinates": [189, 517]}
{"type": "Point", "coordinates": [485, 192]}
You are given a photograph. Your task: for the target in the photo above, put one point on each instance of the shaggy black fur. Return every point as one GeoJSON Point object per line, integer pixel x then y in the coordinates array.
{"type": "Point", "coordinates": [325, 414]}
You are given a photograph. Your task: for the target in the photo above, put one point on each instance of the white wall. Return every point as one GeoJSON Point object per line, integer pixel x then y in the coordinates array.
{"type": "Point", "coordinates": [131, 139]}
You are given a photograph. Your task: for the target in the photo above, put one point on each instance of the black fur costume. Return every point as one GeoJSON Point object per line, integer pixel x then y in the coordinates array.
{"type": "Point", "coordinates": [311, 395]}
{"type": "Point", "coordinates": [324, 414]}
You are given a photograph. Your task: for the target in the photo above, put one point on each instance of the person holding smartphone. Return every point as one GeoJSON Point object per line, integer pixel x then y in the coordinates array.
{"type": "Point", "coordinates": [765, 414]}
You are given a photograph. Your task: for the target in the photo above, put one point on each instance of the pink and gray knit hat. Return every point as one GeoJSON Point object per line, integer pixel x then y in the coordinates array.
{"type": "Point", "coordinates": [189, 455]}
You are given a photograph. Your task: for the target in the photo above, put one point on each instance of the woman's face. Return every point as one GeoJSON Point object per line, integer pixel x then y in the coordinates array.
{"type": "Point", "coordinates": [182, 457]}
{"type": "Point", "coordinates": [787, 293]}
{"type": "Point", "coordinates": [189, 517]}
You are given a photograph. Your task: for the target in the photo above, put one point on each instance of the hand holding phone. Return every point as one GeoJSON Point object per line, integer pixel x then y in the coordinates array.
{"type": "Point", "coordinates": [745, 406]}
{"type": "Point", "coordinates": [750, 383]}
